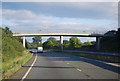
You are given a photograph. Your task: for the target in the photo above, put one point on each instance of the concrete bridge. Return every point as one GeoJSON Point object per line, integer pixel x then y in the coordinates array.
{"type": "Point", "coordinates": [77, 33]}
{"type": "Point", "coordinates": [57, 34]}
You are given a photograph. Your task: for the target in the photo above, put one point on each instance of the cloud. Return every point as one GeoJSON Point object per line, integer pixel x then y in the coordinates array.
{"type": "Point", "coordinates": [24, 19]}
{"type": "Point", "coordinates": [27, 20]}
{"type": "Point", "coordinates": [69, 23]}
{"type": "Point", "coordinates": [18, 14]}
{"type": "Point", "coordinates": [61, 1]}
{"type": "Point", "coordinates": [85, 10]}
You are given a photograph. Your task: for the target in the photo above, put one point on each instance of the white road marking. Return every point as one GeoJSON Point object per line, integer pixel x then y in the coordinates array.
{"type": "Point", "coordinates": [82, 57]}
{"type": "Point", "coordinates": [68, 63]}
{"type": "Point", "coordinates": [29, 68]}
{"type": "Point", "coordinates": [113, 64]}
{"type": "Point", "coordinates": [79, 69]}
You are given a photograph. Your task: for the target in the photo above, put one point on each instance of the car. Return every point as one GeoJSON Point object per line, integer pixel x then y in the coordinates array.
{"type": "Point", "coordinates": [40, 49]}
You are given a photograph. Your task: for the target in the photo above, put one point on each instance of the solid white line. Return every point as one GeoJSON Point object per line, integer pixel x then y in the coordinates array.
{"type": "Point", "coordinates": [29, 68]}
{"type": "Point", "coordinates": [79, 70]}
{"type": "Point", "coordinates": [113, 64]}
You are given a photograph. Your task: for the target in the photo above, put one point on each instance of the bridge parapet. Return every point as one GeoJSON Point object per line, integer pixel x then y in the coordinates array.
{"type": "Point", "coordinates": [90, 32]}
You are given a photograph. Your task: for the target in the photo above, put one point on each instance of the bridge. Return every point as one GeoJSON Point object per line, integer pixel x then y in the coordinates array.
{"type": "Point", "coordinates": [61, 33]}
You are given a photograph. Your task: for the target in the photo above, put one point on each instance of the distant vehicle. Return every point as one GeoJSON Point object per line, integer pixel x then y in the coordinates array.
{"type": "Point", "coordinates": [40, 49]}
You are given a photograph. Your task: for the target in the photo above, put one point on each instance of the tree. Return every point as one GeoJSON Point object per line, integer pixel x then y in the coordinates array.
{"type": "Point", "coordinates": [37, 40]}
{"type": "Point", "coordinates": [65, 44]}
{"type": "Point", "coordinates": [51, 43]}
{"type": "Point", "coordinates": [87, 43]}
{"type": "Point", "coordinates": [7, 30]}
{"type": "Point", "coordinates": [110, 33]}
{"type": "Point", "coordinates": [93, 42]}
{"type": "Point", "coordinates": [51, 38]}
{"type": "Point", "coordinates": [30, 45]}
{"type": "Point", "coordinates": [74, 43]}
{"type": "Point", "coordinates": [48, 44]}
{"type": "Point", "coordinates": [110, 43]}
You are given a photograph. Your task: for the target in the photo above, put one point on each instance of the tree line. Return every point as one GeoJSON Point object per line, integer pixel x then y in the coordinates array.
{"type": "Point", "coordinates": [74, 43]}
{"type": "Point", "coordinates": [53, 43]}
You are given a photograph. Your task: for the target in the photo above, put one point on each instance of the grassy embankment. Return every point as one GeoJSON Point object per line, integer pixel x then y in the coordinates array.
{"type": "Point", "coordinates": [14, 55]}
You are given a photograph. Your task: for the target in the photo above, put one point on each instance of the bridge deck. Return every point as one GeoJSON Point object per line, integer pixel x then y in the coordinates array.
{"type": "Point", "coordinates": [57, 34]}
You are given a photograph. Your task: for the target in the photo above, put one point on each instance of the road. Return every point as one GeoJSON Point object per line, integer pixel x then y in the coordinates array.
{"type": "Point", "coordinates": [54, 65]}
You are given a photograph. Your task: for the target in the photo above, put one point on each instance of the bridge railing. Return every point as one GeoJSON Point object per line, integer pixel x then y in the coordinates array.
{"type": "Point", "coordinates": [59, 31]}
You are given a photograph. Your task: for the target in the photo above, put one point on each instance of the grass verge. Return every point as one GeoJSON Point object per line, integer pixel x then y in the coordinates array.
{"type": "Point", "coordinates": [11, 66]}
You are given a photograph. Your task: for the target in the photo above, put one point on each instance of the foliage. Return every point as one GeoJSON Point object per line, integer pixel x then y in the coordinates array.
{"type": "Point", "coordinates": [48, 44]}
{"type": "Point", "coordinates": [87, 43]}
{"type": "Point", "coordinates": [110, 43]}
{"type": "Point", "coordinates": [37, 42]}
{"type": "Point", "coordinates": [111, 33]}
{"type": "Point", "coordinates": [30, 45]}
{"type": "Point", "coordinates": [51, 43]}
{"type": "Point", "coordinates": [65, 44]}
{"type": "Point", "coordinates": [51, 38]}
{"type": "Point", "coordinates": [10, 46]}
{"type": "Point", "coordinates": [93, 42]}
{"type": "Point", "coordinates": [74, 42]}
{"type": "Point", "coordinates": [7, 30]}
{"type": "Point", "coordinates": [14, 55]}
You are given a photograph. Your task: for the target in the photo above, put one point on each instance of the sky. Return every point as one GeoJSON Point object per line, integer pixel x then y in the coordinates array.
{"type": "Point", "coordinates": [67, 16]}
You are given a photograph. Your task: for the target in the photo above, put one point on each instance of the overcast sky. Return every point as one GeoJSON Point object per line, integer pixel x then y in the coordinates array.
{"type": "Point", "coordinates": [93, 16]}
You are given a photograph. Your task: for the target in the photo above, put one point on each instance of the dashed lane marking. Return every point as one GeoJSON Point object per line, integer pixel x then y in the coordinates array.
{"type": "Point", "coordinates": [68, 63]}
{"type": "Point", "coordinates": [79, 69]}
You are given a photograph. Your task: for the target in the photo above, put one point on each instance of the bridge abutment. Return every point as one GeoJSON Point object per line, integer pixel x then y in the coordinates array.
{"type": "Point", "coordinates": [61, 43]}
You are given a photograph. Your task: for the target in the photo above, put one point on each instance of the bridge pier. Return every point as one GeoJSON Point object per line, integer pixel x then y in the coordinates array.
{"type": "Point", "coordinates": [23, 42]}
{"type": "Point", "coordinates": [98, 42]}
{"type": "Point", "coordinates": [61, 43]}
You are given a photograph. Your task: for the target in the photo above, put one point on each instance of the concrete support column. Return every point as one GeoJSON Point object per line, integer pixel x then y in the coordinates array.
{"type": "Point", "coordinates": [24, 42]}
{"type": "Point", "coordinates": [98, 43]}
{"type": "Point", "coordinates": [61, 42]}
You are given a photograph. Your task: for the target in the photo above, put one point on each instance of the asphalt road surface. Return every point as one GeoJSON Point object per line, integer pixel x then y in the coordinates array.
{"type": "Point", "coordinates": [54, 65]}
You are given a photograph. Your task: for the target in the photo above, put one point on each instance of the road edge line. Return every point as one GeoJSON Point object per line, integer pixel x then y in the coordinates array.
{"type": "Point", "coordinates": [29, 68]}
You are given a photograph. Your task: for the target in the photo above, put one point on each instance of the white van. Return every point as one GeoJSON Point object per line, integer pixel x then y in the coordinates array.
{"type": "Point", "coordinates": [40, 49]}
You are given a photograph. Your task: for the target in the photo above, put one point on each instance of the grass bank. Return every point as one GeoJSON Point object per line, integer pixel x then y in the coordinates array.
{"type": "Point", "coordinates": [14, 55]}
{"type": "Point", "coordinates": [9, 68]}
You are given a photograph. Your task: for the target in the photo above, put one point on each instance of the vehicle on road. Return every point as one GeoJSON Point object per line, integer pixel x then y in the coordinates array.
{"type": "Point", "coordinates": [40, 49]}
